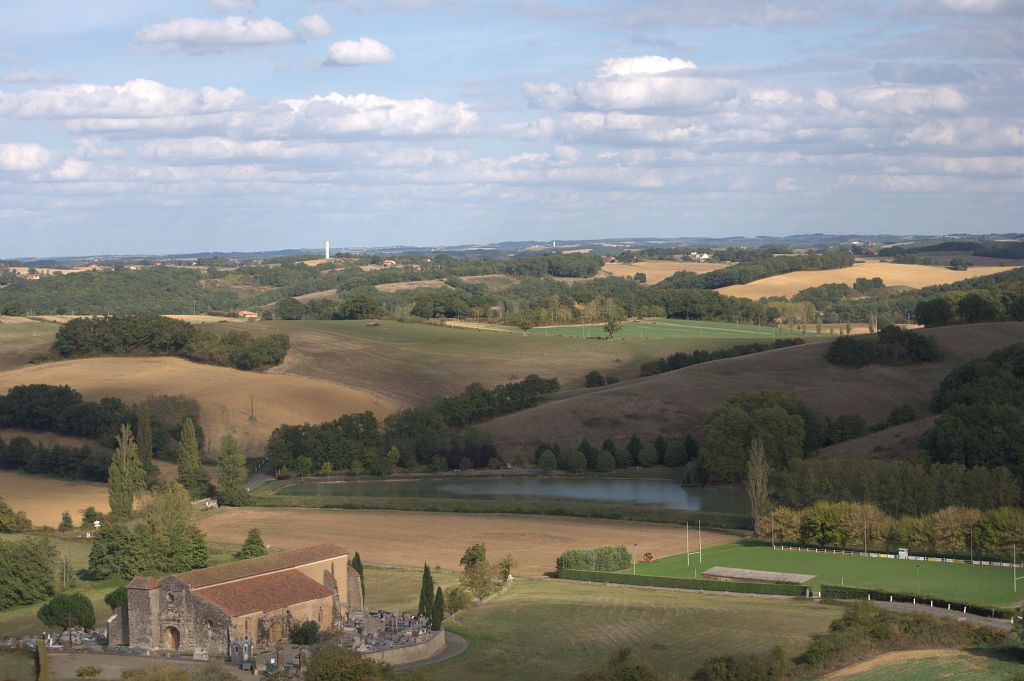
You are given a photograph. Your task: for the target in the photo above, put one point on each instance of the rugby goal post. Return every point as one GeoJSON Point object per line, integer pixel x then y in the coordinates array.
{"type": "Point", "coordinates": [700, 545]}
{"type": "Point", "coordinates": [1014, 563]}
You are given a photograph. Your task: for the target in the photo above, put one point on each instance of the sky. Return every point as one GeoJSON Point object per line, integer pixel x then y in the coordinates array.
{"type": "Point", "coordinates": [243, 125]}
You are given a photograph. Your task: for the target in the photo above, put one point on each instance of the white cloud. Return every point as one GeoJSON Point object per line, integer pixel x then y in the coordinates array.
{"type": "Point", "coordinates": [356, 52]}
{"type": "Point", "coordinates": [907, 100]}
{"type": "Point", "coordinates": [337, 114]}
{"type": "Point", "coordinates": [136, 98]}
{"type": "Point", "coordinates": [201, 36]}
{"type": "Point", "coordinates": [71, 169]}
{"type": "Point", "coordinates": [548, 96]}
{"type": "Point", "coordinates": [20, 156]}
{"type": "Point", "coordinates": [636, 66]}
{"type": "Point", "coordinates": [315, 25]}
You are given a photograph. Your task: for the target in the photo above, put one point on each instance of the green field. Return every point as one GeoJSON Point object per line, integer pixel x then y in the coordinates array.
{"type": "Point", "coordinates": [942, 666]}
{"type": "Point", "coordinates": [969, 583]}
{"type": "Point", "coordinates": [551, 629]}
{"type": "Point", "coordinates": [17, 666]}
{"type": "Point", "coordinates": [671, 329]}
{"type": "Point", "coordinates": [415, 363]}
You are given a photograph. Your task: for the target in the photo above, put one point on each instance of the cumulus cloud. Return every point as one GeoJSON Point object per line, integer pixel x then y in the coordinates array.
{"type": "Point", "coordinates": [21, 156]}
{"type": "Point", "coordinates": [549, 96]}
{"type": "Point", "coordinates": [201, 36]}
{"type": "Point", "coordinates": [908, 100]}
{"type": "Point", "coordinates": [647, 65]}
{"type": "Point", "coordinates": [358, 52]}
{"type": "Point", "coordinates": [71, 169]}
{"type": "Point", "coordinates": [138, 98]}
{"type": "Point", "coordinates": [337, 114]}
{"type": "Point", "coordinates": [315, 25]}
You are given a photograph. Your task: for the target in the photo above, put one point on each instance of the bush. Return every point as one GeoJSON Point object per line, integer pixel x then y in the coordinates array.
{"type": "Point", "coordinates": [594, 379]}
{"type": "Point", "coordinates": [771, 666]}
{"type": "Point", "coordinates": [88, 671]}
{"type": "Point", "coordinates": [457, 598]}
{"type": "Point", "coordinates": [602, 558]}
{"type": "Point", "coordinates": [305, 634]}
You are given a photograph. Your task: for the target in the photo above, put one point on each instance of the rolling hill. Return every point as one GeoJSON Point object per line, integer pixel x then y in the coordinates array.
{"type": "Point", "coordinates": [677, 402]}
{"type": "Point", "coordinates": [226, 396]}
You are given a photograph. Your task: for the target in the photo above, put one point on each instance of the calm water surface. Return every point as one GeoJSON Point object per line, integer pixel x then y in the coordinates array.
{"type": "Point", "coordinates": [666, 493]}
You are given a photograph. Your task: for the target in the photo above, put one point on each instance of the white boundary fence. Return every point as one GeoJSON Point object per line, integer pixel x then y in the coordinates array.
{"type": "Point", "coordinates": [893, 556]}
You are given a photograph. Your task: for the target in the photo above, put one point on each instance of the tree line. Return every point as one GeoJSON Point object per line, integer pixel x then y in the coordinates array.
{"type": "Point", "coordinates": [746, 272]}
{"type": "Point", "coordinates": [158, 420]}
{"type": "Point", "coordinates": [891, 345]}
{"type": "Point", "coordinates": [416, 436]}
{"type": "Point", "coordinates": [953, 530]}
{"type": "Point", "coordinates": [678, 360]}
{"type": "Point", "coordinates": [153, 334]}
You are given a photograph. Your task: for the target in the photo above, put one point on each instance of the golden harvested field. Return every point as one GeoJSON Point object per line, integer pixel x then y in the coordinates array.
{"type": "Point", "coordinates": [659, 270]}
{"type": "Point", "coordinates": [411, 285]}
{"type": "Point", "coordinates": [223, 394]}
{"type": "Point", "coordinates": [43, 499]}
{"type": "Point", "coordinates": [493, 282]}
{"type": "Point", "coordinates": [893, 274]}
{"type": "Point", "coordinates": [409, 538]}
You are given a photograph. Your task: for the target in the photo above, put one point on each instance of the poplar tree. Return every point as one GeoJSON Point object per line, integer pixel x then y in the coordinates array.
{"type": "Point", "coordinates": [233, 473]}
{"type": "Point", "coordinates": [426, 593]}
{"type": "Point", "coordinates": [125, 478]}
{"type": "Point", "coordinates": [191, 473]}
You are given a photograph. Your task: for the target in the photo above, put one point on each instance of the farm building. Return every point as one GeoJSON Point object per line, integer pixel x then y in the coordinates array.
{"type": "Point", "coordinates": [259, 599]}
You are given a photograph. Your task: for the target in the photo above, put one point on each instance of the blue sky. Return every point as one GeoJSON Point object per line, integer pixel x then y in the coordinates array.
{"type": "Point", "coordinates": [154, 127]}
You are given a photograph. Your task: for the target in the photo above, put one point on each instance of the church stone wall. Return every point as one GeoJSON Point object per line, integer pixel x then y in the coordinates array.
{"type": "Point", "coordinates": [143, 605]}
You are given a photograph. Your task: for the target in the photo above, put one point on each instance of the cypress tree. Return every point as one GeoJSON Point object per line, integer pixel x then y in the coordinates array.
{"type": "Point", "coordinates": [357, 565]}
{"type": "Point", "coordinates": [125, 478]}
{"type": "Point", "coordinates": [191, 473]}
{"type": "Point", "coordinates": [426, 593]}
{"type": "Point", "coordinates": [437, 611]}
{"type": "Point", "coordinates": [233, 473]}
{"type": "Point", "coordinates": [253, 546]}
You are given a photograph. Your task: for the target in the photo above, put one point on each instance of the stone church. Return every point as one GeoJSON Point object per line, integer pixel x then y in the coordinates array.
{"type": "Point", "coordinates": [260, 599]}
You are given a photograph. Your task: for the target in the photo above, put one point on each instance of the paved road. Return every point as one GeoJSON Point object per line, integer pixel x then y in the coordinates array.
{"type": "Point", "coordinates": [454, 645]}
{"type": "Point", "coordinates": [997, 624]}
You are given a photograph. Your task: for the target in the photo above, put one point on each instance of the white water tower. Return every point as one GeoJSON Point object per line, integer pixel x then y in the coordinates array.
{"type": "Point", "coordinates": [327, 249]}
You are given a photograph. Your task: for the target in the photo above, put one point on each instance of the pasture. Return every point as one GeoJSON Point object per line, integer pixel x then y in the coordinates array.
{"type": "Point", "coordinates": [670, 329]}
{"type": "Point", "coordinates": [660, 270]}
{"type": "Point", "coordinates": [678, 402]}
{"type": "Point", "coordinates": [411, 285]}
{"type": "Point", "coordinates": [930, 665]}
{"type": "Point", "coordinates": [412, 364]}
{"type": "Point", "coordinates": [43, 499]}
{"type": "Point", "coordinates": [981, 585]}
{"type": "Point", "coordinates": [552, 629]}
{"type": "Point", "coordinates": [411, 538]}
{"type": "Point", "coordinates": [246, 403]}
{"type": "Point", "coordinates": [22, 339]}
{"type": "Point", "coordinates": [893, 274]}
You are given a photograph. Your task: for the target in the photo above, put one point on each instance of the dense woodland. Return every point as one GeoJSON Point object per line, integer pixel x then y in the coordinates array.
{"type": "Point", "coordinates": [151, 334]}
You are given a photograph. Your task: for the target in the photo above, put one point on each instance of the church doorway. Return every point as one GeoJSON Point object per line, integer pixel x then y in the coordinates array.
{"type": "Point", "coordinates": [172, 638]}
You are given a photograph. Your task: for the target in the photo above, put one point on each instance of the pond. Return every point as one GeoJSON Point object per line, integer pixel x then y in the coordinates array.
{"type": "Point", "coordinates": [666, 493]}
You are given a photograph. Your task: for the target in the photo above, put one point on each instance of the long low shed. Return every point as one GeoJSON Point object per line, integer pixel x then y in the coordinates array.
{"type": "Point", "coordinates": [744, 575]}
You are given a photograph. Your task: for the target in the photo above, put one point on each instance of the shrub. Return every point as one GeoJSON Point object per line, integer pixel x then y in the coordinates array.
{"type": "Point", "coordinates": [602, 558]}
{"type": "Point", "coordinates": [457, 598]}
{"type": "Point", "coordinates": [305, 634]}
{"type": "Point", "coordinates": [88, 671]}
{"type": "Point", "coordinates": [594, 379]}
{"type": "Point", "coordinates": [771, 666]}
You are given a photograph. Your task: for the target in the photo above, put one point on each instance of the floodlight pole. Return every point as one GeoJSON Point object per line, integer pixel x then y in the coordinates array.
{"type": "Point", "coordinates": [700, 546]}
{"type": "Point", "coordinates": [687, 543]}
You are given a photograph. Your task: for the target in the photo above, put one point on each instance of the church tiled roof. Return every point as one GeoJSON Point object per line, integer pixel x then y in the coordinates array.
{"type": "Point", "coordinates": [263, 593]}
{"type": "Point", "coordinates": [264, 565]}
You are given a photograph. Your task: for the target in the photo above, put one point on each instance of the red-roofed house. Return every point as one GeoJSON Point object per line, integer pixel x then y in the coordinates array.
{"type": "Point", "coordinates": [261, 599]}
